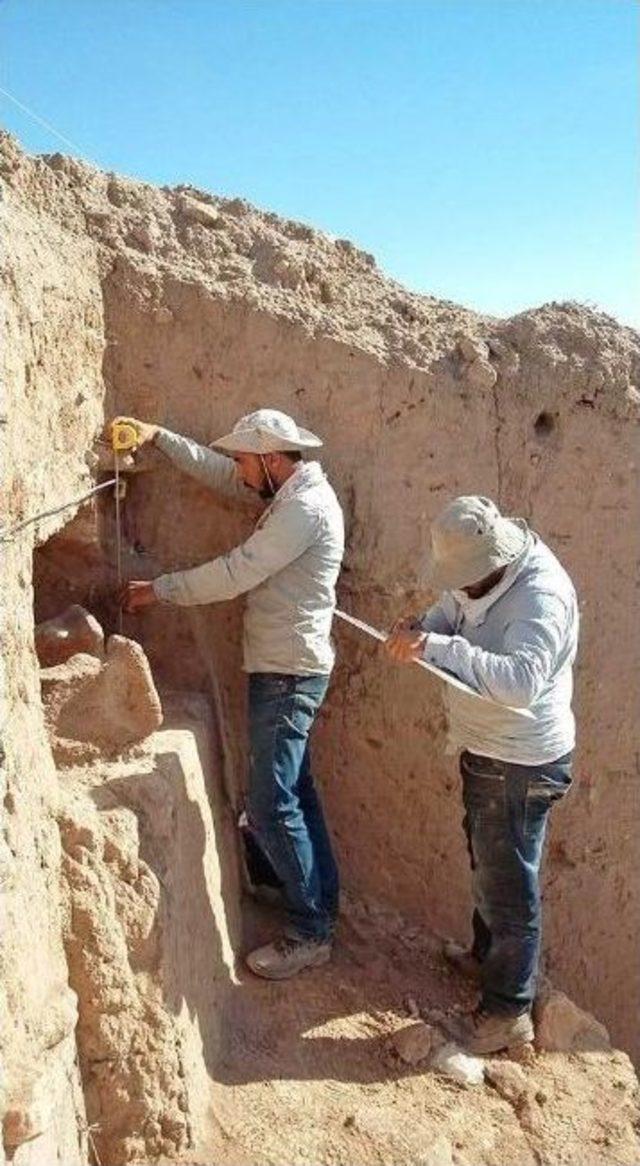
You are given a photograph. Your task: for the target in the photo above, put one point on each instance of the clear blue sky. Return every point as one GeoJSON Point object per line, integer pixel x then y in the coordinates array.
{"type": "Point", "coordinates": [483, 150]}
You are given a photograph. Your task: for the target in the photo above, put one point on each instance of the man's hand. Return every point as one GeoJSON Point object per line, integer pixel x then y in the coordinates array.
{"type": "Point", "coordinates": [145, 431]}
{"type": "Point", "coordinates": [406, 641]}
{"type": "Point", "coordinates": [136, 594]}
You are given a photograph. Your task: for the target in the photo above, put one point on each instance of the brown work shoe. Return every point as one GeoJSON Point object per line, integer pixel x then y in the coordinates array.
{"type": "Point", "coordinates": [484, 1032]}
{"type": "Point", "coordinates": [287, 956]}
{"type": "Point", "coordinates": [462, 959]}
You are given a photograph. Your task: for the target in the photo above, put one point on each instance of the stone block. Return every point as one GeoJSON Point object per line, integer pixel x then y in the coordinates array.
{"type": "Point", "coordinates": [75, 630]}
{"type": "Point", "coordinates": [563, 1027]}
{"type": "Point", "coordinates": [109, 705]}
{"type": "Point", "coordinates": [415, 1042]}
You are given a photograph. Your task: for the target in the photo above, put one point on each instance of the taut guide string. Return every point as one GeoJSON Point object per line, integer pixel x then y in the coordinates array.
{"type": "Point", "coordinates": [8, 534]}
{"type": "Point", "coordinates": [47, 126]}
{"type": "Point", "coordinates": [118, 539]}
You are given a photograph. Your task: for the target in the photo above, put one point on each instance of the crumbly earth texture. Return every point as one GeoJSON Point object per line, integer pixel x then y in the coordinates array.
{"type": "Point", "coordinates": [181, 307]}
{"type": "Point", "coordinates": [309, 1075]}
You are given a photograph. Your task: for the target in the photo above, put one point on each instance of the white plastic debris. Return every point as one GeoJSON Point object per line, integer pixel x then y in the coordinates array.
{"type": "Point", "coordinates": [452, 1062]}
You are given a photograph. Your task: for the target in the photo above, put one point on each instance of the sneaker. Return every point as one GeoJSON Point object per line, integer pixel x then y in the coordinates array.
{"type": "Point", "coordinates": [287, 956]}
{"type": "Point", "coordinates": [486, 1032]}
{"type": "Point", "coordinates": [463, 960]}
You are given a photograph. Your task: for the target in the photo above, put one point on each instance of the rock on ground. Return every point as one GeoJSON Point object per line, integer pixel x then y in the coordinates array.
{"type": "Point", "coordinates": [109, 704]}
{"type": "Point", "coordinates": [563, 1027]}
{"type": "Point", "coordinates": [415, 1042]}
{"type": "Point", "coordinates": [75, 630]}
{"type": "Point", "coordinates": [509, 1080]}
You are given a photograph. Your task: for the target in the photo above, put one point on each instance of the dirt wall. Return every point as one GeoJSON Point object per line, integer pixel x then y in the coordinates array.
{"type": "Point", "coordinates": [194, 310]}
{"type": "Point", "coordinates": [52, 355]}
{"type": "Point", "coordinates": [151, 932]}
{"type": "Point", "coordinates": [552, 440]}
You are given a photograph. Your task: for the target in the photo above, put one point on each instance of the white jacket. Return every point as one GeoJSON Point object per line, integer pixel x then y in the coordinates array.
{"type": "Point", "coordinates": [289, 565]}
{"type": "Point", "coordinates": [516, 645]}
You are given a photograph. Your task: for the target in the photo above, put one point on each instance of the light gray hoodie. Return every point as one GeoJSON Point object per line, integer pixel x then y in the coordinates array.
{"type": "Point", "coordinates": [289, 565]}
{"type": "Point", "coordinates": [516, 645]}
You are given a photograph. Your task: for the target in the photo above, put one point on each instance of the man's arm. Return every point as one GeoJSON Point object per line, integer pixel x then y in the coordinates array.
{"type": "Point", "coordinates": [407, 638]}
{"type": "Point", "coordinates": [285, 536]}
{"type": "Point", "coordinates": [517, 675]}
{"type": "Point", "coordinates": [436, 619]}
{"type": "Point", "coordinates": [205, 465]}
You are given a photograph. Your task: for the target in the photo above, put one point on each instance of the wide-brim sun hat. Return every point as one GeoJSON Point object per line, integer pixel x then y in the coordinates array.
{"type": "Point", "coordinates": [470, 540]}
{"type": "Point", "coordinates": [267, 431]}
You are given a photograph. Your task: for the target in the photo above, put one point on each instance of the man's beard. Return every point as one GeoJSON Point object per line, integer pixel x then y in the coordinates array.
{"type": "Point", "coordinates": [264, 490]}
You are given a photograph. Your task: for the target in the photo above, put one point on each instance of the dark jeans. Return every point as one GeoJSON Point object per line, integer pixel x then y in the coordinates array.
{"type": "Point", "coordinates": [506, 809]}
{"type": "Point", "coordinates": [283, 805]}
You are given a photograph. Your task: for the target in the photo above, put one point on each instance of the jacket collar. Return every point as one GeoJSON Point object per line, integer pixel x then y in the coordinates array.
{"type": "Point", "coordinates": [305, 475]}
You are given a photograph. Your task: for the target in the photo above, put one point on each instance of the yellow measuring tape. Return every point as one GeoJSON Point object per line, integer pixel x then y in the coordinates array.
{"type": "Point", "coordinates": [124, 438]}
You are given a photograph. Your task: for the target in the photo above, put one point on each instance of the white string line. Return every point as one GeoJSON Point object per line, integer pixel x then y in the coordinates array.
{"type": "Point", "coordinates": [6, 535]}
{"type": "Point", "coordinates": [47, 125]}
{"type": "Point", "coordinates": [118, 539]}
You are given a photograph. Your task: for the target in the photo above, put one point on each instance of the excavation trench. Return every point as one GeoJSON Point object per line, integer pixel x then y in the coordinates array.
{"type": "Point", "coordinates": [189, 310]}
{"type": "Point", "coordinates": [184, 1055]}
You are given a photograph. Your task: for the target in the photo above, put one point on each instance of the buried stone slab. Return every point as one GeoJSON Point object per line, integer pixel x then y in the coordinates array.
{"type": "Point", "coordinates": [417, 1142]}
{"type": "Point", "coordinates": [108, 704]}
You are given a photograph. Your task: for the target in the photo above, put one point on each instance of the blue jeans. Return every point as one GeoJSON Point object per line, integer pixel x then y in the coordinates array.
{"type": "Point", "coordinates": [506, 810]}
{"type": "Point", "coordinates": [283, 805]}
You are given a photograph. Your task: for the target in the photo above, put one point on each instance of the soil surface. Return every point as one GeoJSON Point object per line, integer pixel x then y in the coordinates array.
{"type": "Point", "coordinates": [309, 1075]}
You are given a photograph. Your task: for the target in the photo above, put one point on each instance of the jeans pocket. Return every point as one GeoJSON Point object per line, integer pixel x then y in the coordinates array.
{"type": "Point", "coordinates": [473, 765]}
{"type": "Point", "coordinates": [300, 714]}
{"type": "Point", "coordinates": [549, 786]}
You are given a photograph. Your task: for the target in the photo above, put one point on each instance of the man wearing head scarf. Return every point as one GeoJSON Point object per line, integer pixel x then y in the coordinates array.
{"type": "Point", "coordinates": [288, 568]}
{"type": "Point", "coordinates": [506, 624]}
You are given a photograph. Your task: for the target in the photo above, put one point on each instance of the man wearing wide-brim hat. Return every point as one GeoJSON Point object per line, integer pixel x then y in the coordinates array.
{"type": "Point", "coordinates": [507, 625]}
{"type": "Point", "coordinates": [288, 568]}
